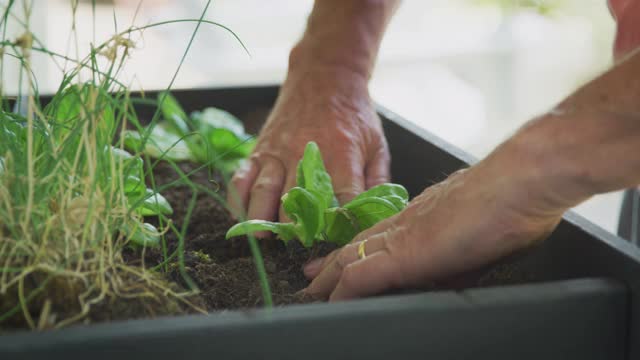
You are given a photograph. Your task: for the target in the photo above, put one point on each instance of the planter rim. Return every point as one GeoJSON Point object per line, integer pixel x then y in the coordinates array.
{"type": "Point", "coordinates": [472, 299]}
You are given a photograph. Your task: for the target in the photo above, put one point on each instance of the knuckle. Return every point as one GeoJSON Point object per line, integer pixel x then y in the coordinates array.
{"type": "Point", "coordinates": [329, 258]}
{"type": "Point", "coordinates": [265, 185]}
{"type": "Point", "coordinates": [361, 236]}
{"type": "Point", "coordinates": [348, 192]}
{"type": "Point", "coordinates": [345, 136]}
{"type": "Point", "coordinates": [387, 234]}
{"type": "Point", "coordinates": [395, 240]}
{"type": "Point", "coordinates": [238, 179]}
{"type": "Point", "coordinates": [342, 259]}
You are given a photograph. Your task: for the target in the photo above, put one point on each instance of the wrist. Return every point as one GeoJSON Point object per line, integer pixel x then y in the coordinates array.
{"type": "Point", "coordinates": [538, 163]}
{"type": "Point", "coordinates": [311, 56]}
{"type": "Point", "coordinates": [319, 79]}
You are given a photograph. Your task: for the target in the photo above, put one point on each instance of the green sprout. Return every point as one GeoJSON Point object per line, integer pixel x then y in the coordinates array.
{"type": "Point", "coordinates": [208, 135]}
{"type": "Point", "coordinates": [315, 212]}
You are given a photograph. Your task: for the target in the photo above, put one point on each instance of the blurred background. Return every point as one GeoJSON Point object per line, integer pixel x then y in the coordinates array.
{"type": "Point", "coordinates": [504, 61]}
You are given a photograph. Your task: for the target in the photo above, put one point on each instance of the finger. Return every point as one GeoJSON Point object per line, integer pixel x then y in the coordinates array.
{"type": "Point", "coordinates": [348, 180]}
{"type": "Point", "coordinates": [266, 190]}
{"type": "Point", "coordinates": [377, 170]}
{"type": "Point", "coordinates": [313, 268]}
{"type": "Point", "coordinates": [326, 280]}
{"type": "Point", "coordinates": [347, 172]}
{"type": "Point", "coordinates": [371, 276]}
{"type": "Point", "coordinates": [289, 183]}
{"type": "Point", "coordinates": [240, 187]}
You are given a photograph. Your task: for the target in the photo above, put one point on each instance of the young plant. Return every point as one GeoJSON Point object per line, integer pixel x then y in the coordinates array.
{"type": "Point", "coordinates": [315, 212]}
{"type": "Point", "coordinates": [208, 135]}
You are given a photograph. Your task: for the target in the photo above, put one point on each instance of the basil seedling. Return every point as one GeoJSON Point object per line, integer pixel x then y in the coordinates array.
{"type": "Point", "coordinates": [208, 135]}
{"type": "Point", "coordinates": [315, 212]}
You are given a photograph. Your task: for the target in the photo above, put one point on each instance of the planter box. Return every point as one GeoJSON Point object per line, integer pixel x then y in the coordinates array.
{"type": "Point", "coordinates": [585, 303]}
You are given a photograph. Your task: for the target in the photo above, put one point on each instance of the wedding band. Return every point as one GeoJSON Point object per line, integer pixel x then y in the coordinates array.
{"type": "Point", "coordinates": [361, 253]}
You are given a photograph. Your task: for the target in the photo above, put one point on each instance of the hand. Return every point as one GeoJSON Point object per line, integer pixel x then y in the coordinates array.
{"type": "Point", "coordinates": [331, 107]}
{"type": "Point", "coordinates": [468, 221]}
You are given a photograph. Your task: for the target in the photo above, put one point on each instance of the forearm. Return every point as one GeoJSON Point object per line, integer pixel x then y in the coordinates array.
{"type": "Point", "coordinates": [343, 35]}
{"type": "Point", "coordinates": [588, 145]}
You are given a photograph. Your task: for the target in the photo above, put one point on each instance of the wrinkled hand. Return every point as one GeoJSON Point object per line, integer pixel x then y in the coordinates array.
{"type": "Point", "coordinates": [331, 107]}
{"type": "Point", "coordinates": [468, 221]}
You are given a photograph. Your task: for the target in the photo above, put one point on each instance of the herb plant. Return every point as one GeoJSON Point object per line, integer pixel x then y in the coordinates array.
{"type": "Point", "coordinates": [315, 212]}
{"type": "Point", "coordinates": [210, 135]}
{"type": "Point", "coordinates": [72, 199]}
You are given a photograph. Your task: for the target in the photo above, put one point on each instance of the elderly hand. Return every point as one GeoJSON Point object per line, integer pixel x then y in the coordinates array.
{"type": "Point", "coordinates": [331, 107]}
{"type": "Point", "coordinates": [473, 218]}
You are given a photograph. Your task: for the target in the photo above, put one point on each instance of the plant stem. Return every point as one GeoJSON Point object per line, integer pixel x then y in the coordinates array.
{"type": "Point", "coordinates": [262, 272]}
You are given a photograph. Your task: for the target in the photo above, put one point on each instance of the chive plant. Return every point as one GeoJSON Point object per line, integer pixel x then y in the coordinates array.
{"type": "Point", "coordinates": [72, 198]}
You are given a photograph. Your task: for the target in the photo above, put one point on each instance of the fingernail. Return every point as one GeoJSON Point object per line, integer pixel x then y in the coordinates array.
{"type": "Point", "coordinates": [312, 268]}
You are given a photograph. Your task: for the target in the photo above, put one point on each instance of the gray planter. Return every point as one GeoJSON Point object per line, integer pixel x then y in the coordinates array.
{"type": "Point", "coordinates": [585, 303]}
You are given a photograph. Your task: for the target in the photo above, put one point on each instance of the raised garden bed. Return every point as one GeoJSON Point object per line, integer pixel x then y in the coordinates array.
{"type": "Point", "coordinates": [578, 294]}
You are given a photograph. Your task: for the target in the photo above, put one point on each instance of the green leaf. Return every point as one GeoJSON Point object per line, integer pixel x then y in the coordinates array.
{"type": "Point", "coordinates": [177, 120]}
{"type": "Point", "coordinates": [82, 102]}
{"type": "Point", "coordinates": [371, 210]}
{"type": "Point", "coordinates": [107, 121]}
{"type": "Point", "coordinates": [213, 118]}
{"type": "Point", "coordinates": [134, 187]}
{"type": "Point", "coordinates": [65, 110]}
{"type": "Point", "coordinates": [395, 192]}
{"type": "Point", "coordinates": [285, 232]}
{"type": "Point", "coordinates": [340, 226]}
{"type": "Point", "coordinates": [364, 211]}
{"type": "Point", "coordinates": [399, 202]}
{"type": "Point", "coordinates": [142, 234]}
{"type": "Point", "coordinates": [306, 210]}
{"type": "Point", "coordinates": [154, 204]}
{"type": "Point", "coordinates": [119, 154]}
{"type": "Point", "coordinates": [225, 132]}
{"type": "Point", "coordinates": [312, 175]}
{"type": "Point", "coordinates": [230, 145]}
{"type": "Point", "coordinates": [160, 144]}
{"type": "Point", "coordinates": [133, 164]}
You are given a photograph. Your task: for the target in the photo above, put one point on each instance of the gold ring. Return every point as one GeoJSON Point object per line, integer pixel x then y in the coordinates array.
{"type": "Point", "coordinates": [361, 253]}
